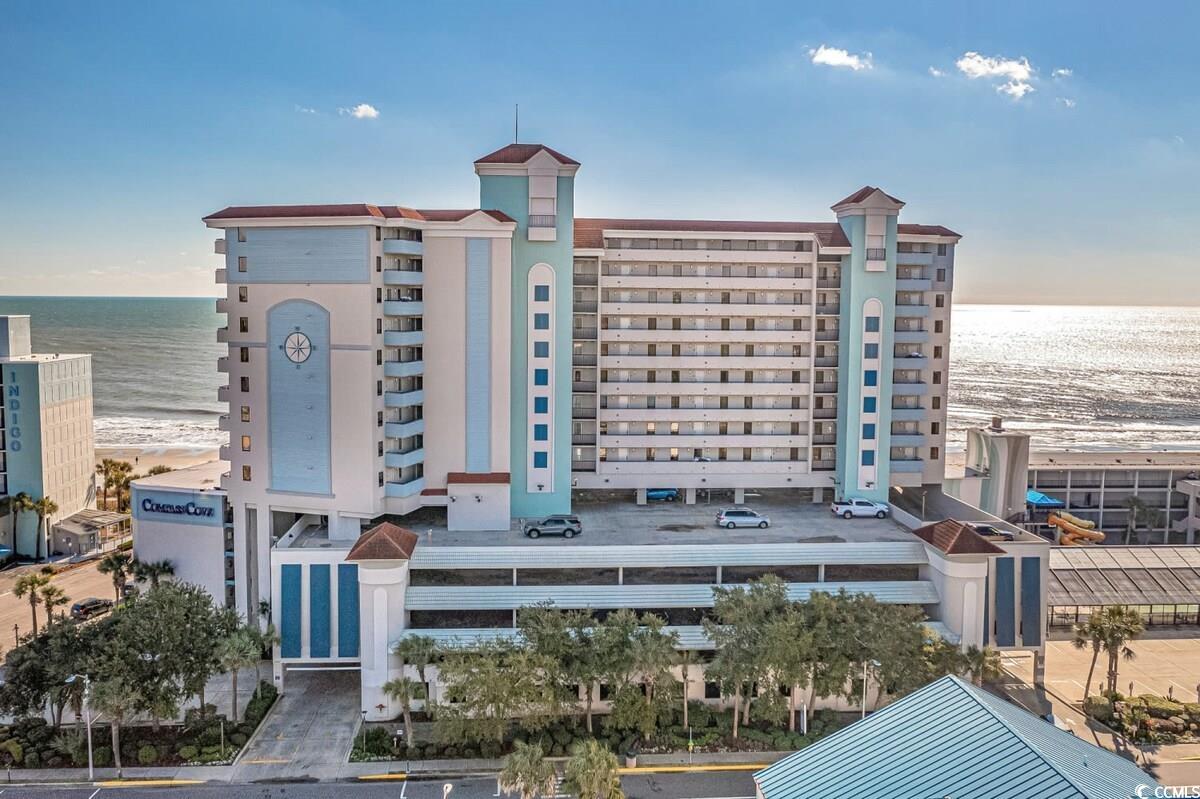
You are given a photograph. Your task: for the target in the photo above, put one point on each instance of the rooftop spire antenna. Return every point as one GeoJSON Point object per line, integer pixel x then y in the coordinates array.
{"type": "Point", "coordinates": [516, 123]}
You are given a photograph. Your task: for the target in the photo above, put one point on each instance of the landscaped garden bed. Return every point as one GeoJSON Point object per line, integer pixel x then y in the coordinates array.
{"type": "Point", "coordinates": [1148, 718]}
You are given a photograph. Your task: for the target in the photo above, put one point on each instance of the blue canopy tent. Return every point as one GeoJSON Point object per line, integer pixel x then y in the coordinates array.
{"type": "Point", "coordinates": [1040, 501]}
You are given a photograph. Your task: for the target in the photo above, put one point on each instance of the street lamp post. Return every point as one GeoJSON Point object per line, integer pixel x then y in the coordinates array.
{"type": "Point", "coordinates": [876, 664]}
{"type": "Point", "coordinates": [87, 715]}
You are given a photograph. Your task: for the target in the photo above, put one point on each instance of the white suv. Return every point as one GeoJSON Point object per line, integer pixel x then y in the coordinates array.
{"type": "Point", "coordinates": [741, 517]}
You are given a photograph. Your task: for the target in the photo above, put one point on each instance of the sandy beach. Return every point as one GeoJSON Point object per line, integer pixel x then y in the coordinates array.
{"type": "Point", "coordinates": [144, 458]}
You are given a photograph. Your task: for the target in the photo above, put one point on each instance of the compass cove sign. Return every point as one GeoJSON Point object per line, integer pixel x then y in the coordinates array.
{"type": "Point", "coordinates": [167, 506]}
{"type": "Point", "coordinates": [186, 509]}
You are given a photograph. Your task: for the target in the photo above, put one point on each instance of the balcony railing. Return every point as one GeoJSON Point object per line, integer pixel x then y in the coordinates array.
{"type": "Point", "coordinates": [583, 466]}
{"type": "Point", "coordinates": [825, 361]}
{"type": "Point", "coordinates": [827, 335]}
{"type": "Point", "coordinates": [583, 438]}
{"type": "Point", "coordinates": [825, 388]}
{"type": "Point", "coordinates": [585, 332]}
{"type": "Point", "coordinates": [583, 413]}
{"type": "Point", "coordinates": [829, 283]}
{"type": "Point", "coordinates": [823, 466]}
{"type": "Point", "coordinates": [828, 309]}
{"type": "Point", "coordinates": [824, 413]}
{"type": "Point", "coordinates": [824, 438]}
{"type": "Point", "coordinates": [585, 307]}
{"type": "Point", "coordinates": [584, 386]}
{"type": "Point", "coordinates": [585, 279]}
{"type": "Point", "coordinates": [543, 220]}
{"type": "Point", "coordinates": [583, 360]}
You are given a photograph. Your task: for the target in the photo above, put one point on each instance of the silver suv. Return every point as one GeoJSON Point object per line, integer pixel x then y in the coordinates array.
{"type": "Point", "coordinates": [565, 525]}
{"type": "Point", "coordinates": [730, 518]}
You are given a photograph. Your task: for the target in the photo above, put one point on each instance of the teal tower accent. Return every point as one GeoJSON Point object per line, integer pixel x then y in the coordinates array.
{"type": "Point", "coordinates": [533, 184]}
{"type": "Point", "coordinates": [865, 344]}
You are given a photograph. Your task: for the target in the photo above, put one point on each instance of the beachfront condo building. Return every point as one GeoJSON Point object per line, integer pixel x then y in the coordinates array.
{"type": "Point", "coordinates": [46, 444]}
{"type": "Point", "coordinates": [403, 384]}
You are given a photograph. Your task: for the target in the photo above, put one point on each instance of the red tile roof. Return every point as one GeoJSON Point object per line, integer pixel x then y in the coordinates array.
{"type": "Point", "coordinates": [925, 230]}
{"type": "Point", "coordinates": [457, 215]}
{"type": "Point", "coordinates": [520, 153]}
{"type": "Point", "coordinates": [478, 477]}
{"type": "Point", "coordinates": [956, 538]}
{"type": "Point", "coordinates": [399, 212]}
{"type": "Point", "coordinates": [384, 541]}
{"type": "Point", "coordinates": [295, 211]}
{"type": "Point", "coordinates": [590, 232]}
{"type": "Point", "coordinates": [864, 193]}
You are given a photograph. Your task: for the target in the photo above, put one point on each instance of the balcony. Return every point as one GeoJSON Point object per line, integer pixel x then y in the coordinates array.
{"type": "Point", "coordinates": [402, 247]}
{"type": "Point", "coordinates": [907, 439]}
{"type": "Point", "coordinates": [584, 332]}
{"type": "Point", "coordinates": [909, 389]}
{"type": "Point", "coordinates": [403, 399]}
{"type": "Point", "coordinates": [583, 439]}
{"type": "Point", "coordinates": [583, 359]}
{"type": "Point", "coordinates": [223, 452]}
{"type": "Point", "coordinates": [913, 284]}
{"type": "Point", "coordinates": [826, 361]}
{"type": "Point", "coordinates": [583, 413]}
{"type": "Point", "coordinates": [404, 429]}
{"type": "Point", "coordinates": [221, 274]}
{"type": "Point", "coordinates": [583, 466]}
{"type": "Point", "coordinates": [825, 438]}
{"type": "Point", "coordinates": [709, 282]}
{"type": "Point", "coordinates": [914, 309]}
{"type": "Point", "coordinates": [585, 279]}
{"type": "Point", "coordinates": [403, 277]}
{"type": "Point", "coordinates": [825, 388]}
{"type": "Point", "coordinates": [645, 308]}
{"type": "Point", "coordinates": [403, 308]}
{"type": "Point", "coordinates": [219, 246]}
{"type": "Point", "coordinates": [826, 335]}
{"type": "Point", "coordinates": [403, 490]}
{"type": "Point", "coordinates": [905, 361]}
{"type": "Point", "coordinates": [728, 362]}
{"type": "Point", "coordinates": [400, 460]}
{"type": "Point", "coordinates": [222, 335]}
{"type": "Point", "coordinates": [403, 368]}
{"type": "Point", "coordinates": [699, 336]}
{"type": "Point", "coordinates": [701, 440]}
{"type": "Point", "coordinates": [824, 413]}
{"type": "Point", "coordinates": [222, 305]}
{"type": "Point", "coordinates": [690, 415]}
{"type": "Point", "coordinates": [914, 258]}
{"type": "Point", "coordinates": [584, 307]}
{"type": "Point", "coordinates": [910, 336]}
{"type": "Point", "coordinates": [908, 414]}
{"type": "Point", "coordinates": [907, 465]}
{"type": "Point", "coordinates": [223, 422]}
{"type": "Point", "coordinates": [829, 309]}
{"type": "Point", "coordinates": [829, 282]}
{"type": "Point", "coordinates": [223, 364]}
{"type": "Point", "coordinates": [712, 389]}
{"type": "Point", "coordinates": [223, 394]}
{"type": "Point", "coordinates": [404, 338]}
{"type": "Point", "coordinates": [824, 466]}
{"type": "Point", "coordinates": [584, 387]}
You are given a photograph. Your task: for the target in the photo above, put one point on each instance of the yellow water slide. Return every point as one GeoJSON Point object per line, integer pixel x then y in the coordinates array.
{"type": "Point", "coordinates": [1074, 531]}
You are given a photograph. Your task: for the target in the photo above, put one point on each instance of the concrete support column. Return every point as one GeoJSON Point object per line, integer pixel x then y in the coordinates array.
{"type": "Point", "coordinates": [739, 496]}
{"type": "Point", "coordinates": [641, 496]}
{"type": "Point", "coordinates": [689, 496]}
{"type": "Point", "coordinates": [1039, 669]}
{"type": "Point", "coordinates": [382, 617]}
{"type": "Point", "coordinates": [818, 496]}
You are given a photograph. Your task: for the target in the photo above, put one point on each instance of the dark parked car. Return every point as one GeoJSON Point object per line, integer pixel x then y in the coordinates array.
{"type": "Point", "coordinates": [87, 608]}
{"type": "Point", "coordinates": [662, 494]}
{"type": "Point", "coordinates": [566, 526]}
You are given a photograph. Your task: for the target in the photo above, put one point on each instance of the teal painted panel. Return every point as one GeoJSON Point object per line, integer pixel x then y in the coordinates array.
{"type": "Point", "coordinates": [347, 610]}
{"type": "Point", "coordinates": [299, 423]}
{"type": "Point", "coordinates": [290, 635]}
{"type": "Point", "coordinates": [300, 255]}
{"type": "Point", "coordinates": [318, 610]}
{"type": "Point", "coordinates": [1031, 601]}
{"type": "Point", "coordinates": [23, 445]}
{"type": "Point", "coordinates": [479, 356]}
{"type": "Point", "coordinates": [1006, 608]}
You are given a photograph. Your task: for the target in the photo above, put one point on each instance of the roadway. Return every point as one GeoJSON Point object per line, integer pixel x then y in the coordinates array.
{"type": "Point", "coordinates": [79, 582]}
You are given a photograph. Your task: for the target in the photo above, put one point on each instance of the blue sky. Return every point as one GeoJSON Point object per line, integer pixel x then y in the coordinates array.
{"type": "Point", "coordinates": [124, 123]}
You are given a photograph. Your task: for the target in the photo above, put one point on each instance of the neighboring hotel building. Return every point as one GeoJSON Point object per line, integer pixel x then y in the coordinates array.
{"type": "Point", "coordinates": [383, 360]}
{"type": "Point", "coordinates": [46, 444]}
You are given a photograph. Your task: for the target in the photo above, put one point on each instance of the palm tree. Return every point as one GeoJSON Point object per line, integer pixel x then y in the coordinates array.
{"type": "Point", "coordinates": [418, 651]}
{"type": "Point", "coordinates": [53, 597]}
{"type": "Point", "coordinates": [28, 585]}
{"type": "Point", "coordinates": [151, 571]}
{"type": "Point", "coordinates": [685, 660]}
{"type": "Point", "coordinates": [526, 772]}
{"type": "Point", "coordinates": [1108, 630]}
{"type": "Point", "coordinates": [22, 503]}
{"type": "Point", "coordinates": [44, 508]}
{"type": "Point", "coordinates": [116, 564]}
{"type": "Point", "coordinates": [106, 468]}
{"type": "Point", "coordinates": [404, 690]}
{"type": "Point", "coordinates": [982, 664]}
{"type": "Point", "coordinates": [592, 773]}
{"type": "Point", "coordinates": [118, 699]}
{"type": "Point", "coordinates": [161, 468]}
{"type": "Point", "coordinates": [239, 650]}
{"type": "Point", "coordinates": [8, 506]}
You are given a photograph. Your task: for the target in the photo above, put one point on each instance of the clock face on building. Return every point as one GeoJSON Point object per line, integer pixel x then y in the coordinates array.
{"type": "Point", "coordinates": [297, 347]}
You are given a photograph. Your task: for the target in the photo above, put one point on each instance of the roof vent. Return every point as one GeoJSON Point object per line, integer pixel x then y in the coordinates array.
{"type": "Point", "coordinates": [997, 423]}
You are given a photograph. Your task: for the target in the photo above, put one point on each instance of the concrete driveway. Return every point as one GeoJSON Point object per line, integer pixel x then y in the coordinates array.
{"type": "Point", "coordinates": [309, 732]}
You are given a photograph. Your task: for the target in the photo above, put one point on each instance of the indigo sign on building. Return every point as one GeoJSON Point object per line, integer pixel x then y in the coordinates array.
{"type": "Point", "coordinates": [22, 432]}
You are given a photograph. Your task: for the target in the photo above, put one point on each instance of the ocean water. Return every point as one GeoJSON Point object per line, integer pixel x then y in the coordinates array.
{"type": "Point", "coordinates": [1075, 377]}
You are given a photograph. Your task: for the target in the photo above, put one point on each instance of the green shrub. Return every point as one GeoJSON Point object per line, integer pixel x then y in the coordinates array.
{"type": "Point", "coordinates": [1099, 708]}
{"type": "Point", "coordinates": [491, 749]}
{"type": "Point", "coordinates": [187, 753]}
{"type": "Point", "coordinates": [469, 753]}
{"type": "Point", "coordinates": [451, 752]}
{"type": "Point", "coordinates": [237, 739]}
{"type": "Point", "coordinates": [700, 715]}
{"type": "Point", "coordinates": [1161, 708]}
{"type": "Point", "coordinates": [245, 729]}
{"type": "Point", "coordinates": [563, 736]}
{"type": "Point", "coordinates": [33, 760]}
{"type": "Point", "coordinates": [147, 755]}
{"type": "Point", "coordinates": [54, 761]}
{"type": "Point", "coordinates": [103, 756]}
{"type": "Point", "coordinates": [12, 751]}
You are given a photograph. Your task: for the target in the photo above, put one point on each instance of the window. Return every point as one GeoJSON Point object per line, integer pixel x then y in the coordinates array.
{"type": "Point", "coordinates": [379, 357]}
{"type": "Point", "coordinates": [541, 293]}
{"type": "Point", "coordinates": [869, 404]}
{"type": "Point", "coordinates": [936, 402]}
{"type": "Point", "coordinates": [241, 235]}
{"type": "Point", "coordinates": [541, 404]}
{"type": "Point", "coordinates": [244, 354]}
{"type": "Point", "coordinates": [245, 383]}
{"type": "Point", "coordinates": [937, 326]}
{"type": "Point", "coordinates": [246, 473]}
{"type": "Point", "coordinates": [243, 324]}
{"type": "Point", "coordinates": [541, 432]}
{"type": "Point", "coordinates": [941, 275]}
{"type": "Point", "coordinates": [378, 234]}
{"type": "Point", "coordinates": [378, 295]}
{"type": "Point", "coordinates": [381, 479]}
{"type": "Point", "coordinates": [939, 300]}
{"type": "Point", "coordinates": [870, 351]}
{"type": "Point", "coordinates": [245, 443]}
{"type": "Point", "coordinates": [378, 263]}
{"type": "Point", "coordinates": [541, 377]}
{"type": "Point", "coordinates": [379, 388]}
{"type": "Point", "coordinates": [541, 460]}
{"type": "Point", "coordinates": [868, 457]}
{"type": "Point", "coordinates": [868, 432]}
{"type": "Point", "coordinates": [941, 249]}
{"type": "Point", "coordinates": [378, 325]}
{"type": "Point", "coordinates": [933, 453]}
{"type": "Point", "coordinates": [245, 413]}
{"type": "Point", "coordinates": [243, 293]}
{"type": "Point", "coordinates": [379, 418]}
{"type": "Point", "coordinates": [541, 349]}
{"type": "Point", "coordinates": [937, 378]}
{"type": "Point", "coordinates": [937, 350]}
{"type": "Point", "coordinates": [872, 324]}
{"type": "Point", "coordinates": [876, 253]}
{"type": "Point", "coordinates": [241, 263]}
{"type": "Point", "coordinates": [935, 428]}
{"type": "Point", "coordinates": [870, 378]}
{"type": "Point", "coordinates": [541, 321]}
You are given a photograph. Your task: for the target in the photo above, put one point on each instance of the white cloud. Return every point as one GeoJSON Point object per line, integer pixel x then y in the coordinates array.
{"type": "Point", "coordinates": [361, 111]}
{"type": "Point", "coordinates": [1067, 102]}
{"type": "Point", "coordinates": [937, 73]}
{"type": "Point", "coordinates": [303, 110]}
{"type": "Point", "coordinates": [1017, 71]}
{"type": "Point", "coordinates": [1062, 72]}
{"type": "Point", "coordinates": [837, 57]}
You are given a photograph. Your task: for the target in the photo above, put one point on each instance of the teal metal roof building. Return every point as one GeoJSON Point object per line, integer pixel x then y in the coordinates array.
{"type": "Point", "coordinates": [951, 739]}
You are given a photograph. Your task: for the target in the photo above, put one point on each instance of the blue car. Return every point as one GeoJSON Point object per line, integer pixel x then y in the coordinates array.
{"type": "Point", "coordinates": [662, 494]}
